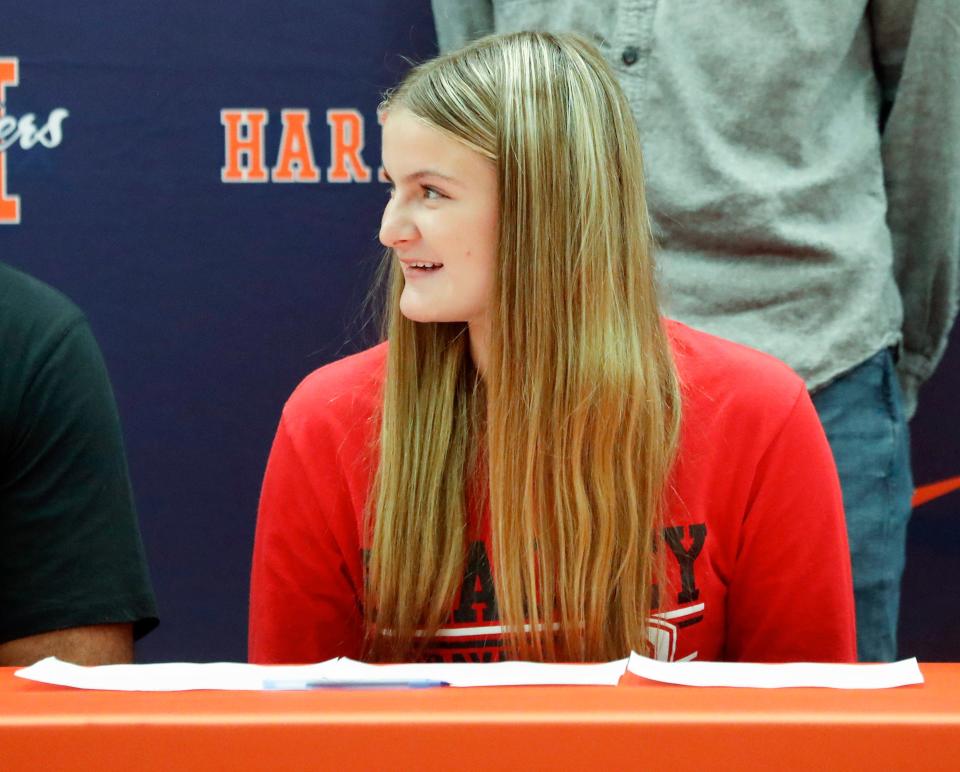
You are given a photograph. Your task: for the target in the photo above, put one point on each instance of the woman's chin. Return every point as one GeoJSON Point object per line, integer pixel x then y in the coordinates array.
{"type": "Point", "coordinates": [416, 313]}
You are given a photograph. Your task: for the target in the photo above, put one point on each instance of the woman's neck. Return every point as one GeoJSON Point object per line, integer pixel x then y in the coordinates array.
{"type": "Point", "coordinates": [479, 332]}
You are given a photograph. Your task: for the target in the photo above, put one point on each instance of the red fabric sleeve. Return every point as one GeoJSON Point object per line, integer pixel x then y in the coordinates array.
{"type": "Point", "coordinates": [790, 598]}
{"type": "Point", "coordinates": [304, 598]}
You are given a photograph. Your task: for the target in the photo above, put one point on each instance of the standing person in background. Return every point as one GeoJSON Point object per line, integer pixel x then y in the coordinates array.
{"type": "Point", "coordinates": [73, 579]}
{"type": "Point", "coordinates": [803, 172]}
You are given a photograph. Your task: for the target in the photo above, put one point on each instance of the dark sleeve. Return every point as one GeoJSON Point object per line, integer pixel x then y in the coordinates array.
{"type": "Point", "coordinates": [791, 595]}
{"type": "Point", "coordinates": [70, 547]}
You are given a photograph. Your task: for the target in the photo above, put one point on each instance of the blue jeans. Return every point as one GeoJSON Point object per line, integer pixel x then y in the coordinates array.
{"type": "Point", "coordinates": [862, 414]}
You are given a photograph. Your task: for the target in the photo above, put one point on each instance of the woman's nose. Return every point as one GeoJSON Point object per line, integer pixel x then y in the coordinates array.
{"type": "Point", "coordinates": [396, 229]}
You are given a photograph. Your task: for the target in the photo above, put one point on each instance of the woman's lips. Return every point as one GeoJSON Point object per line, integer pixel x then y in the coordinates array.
{"type": "Point", "coordinates": [420, 268]}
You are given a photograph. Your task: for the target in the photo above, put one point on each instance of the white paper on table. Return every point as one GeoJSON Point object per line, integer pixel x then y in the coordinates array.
{"type": "Point", "coordinates": [169, 676]}
{"type": "Point", "coordinates": [183, 676]}
{"type": "Point", "coordinates": [770, 676]}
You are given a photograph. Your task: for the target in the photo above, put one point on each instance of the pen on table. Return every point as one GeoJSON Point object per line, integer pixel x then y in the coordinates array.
{"type": "Point", "coordinates": [293, 685]}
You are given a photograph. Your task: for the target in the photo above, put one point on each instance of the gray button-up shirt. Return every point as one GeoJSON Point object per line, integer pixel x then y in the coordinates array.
{"type": "Point", "coordinates": [802, 161]}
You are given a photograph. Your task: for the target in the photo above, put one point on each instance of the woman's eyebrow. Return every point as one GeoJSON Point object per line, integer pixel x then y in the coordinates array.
{"type": "Point", "coordinates": [414, 176]}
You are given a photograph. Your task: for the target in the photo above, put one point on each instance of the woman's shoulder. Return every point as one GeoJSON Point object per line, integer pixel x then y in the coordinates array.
{"type": "Point", "coordinates": [344, 389]}
{"type": "Point", "coordinates": [717, 371]}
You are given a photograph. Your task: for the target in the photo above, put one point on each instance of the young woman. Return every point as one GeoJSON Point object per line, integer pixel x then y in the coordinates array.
{"type": "Point", "coordinates": [535, 464]}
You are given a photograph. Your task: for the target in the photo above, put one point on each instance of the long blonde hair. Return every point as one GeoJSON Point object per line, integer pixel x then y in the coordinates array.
{"type": "Point", "coordinates": [575, 423]}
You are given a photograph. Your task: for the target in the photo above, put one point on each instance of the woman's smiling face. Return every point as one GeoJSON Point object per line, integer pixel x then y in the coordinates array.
{"type": "Point", "coordinates": [441, 221]}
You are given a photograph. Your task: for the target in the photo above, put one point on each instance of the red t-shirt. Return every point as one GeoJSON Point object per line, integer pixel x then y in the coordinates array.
{"type": "Point", "coordinates": [758, 565]}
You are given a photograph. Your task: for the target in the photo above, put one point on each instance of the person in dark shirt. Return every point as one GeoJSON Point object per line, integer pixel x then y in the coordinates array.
{"type": "Point", "coordinates": [73, 577]}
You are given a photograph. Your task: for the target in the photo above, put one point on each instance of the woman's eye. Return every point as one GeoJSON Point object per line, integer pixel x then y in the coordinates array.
{"type": "Point", "coordinates": [432, 194]}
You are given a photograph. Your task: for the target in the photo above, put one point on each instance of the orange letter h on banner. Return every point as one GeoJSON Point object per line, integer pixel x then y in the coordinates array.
{"type": "Point", "coordinates": [238, 143]}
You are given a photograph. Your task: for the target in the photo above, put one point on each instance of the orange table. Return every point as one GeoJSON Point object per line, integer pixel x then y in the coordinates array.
{"type": "Point", "coordinates": [648, 726]}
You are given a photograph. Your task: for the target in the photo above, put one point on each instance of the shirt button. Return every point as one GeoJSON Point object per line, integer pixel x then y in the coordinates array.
{"type": "Point", "coordinates": [630, 55]}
